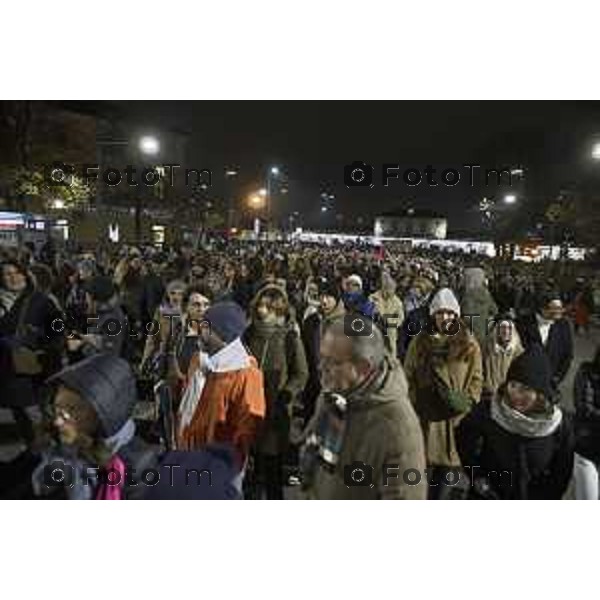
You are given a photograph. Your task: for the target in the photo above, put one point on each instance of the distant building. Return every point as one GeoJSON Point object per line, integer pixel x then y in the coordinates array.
{"type": "Point", "coordinates": [411, 223]}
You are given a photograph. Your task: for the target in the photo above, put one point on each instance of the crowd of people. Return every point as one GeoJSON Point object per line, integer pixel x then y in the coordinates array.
{"type": "Point", "coordinates": [294, 370]}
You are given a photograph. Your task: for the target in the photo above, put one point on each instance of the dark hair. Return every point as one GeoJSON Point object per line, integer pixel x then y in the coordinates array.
{"type": "Point", "coordinates": [197, 289]}
{"type": "Point", "coordinates": [19, 267]}
{"type": "Point", "coordinates": [43, 276]}
{"type": "Point", "coordinates": [276, 297]}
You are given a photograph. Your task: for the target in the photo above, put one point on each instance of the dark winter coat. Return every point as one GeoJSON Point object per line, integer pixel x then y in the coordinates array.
{"type": "Point", "coordinates": [516, 467]}
{"type": "Point", "coordinates": [587, 411]}
{"type": "Point", "coordinates": [29, 324]}
{"type": "Point", "coordinates": [312, 332]}
{"type": "Point", "coordinates": [280, 355]}
{"type": "Point", "coordinates": [558, 346]}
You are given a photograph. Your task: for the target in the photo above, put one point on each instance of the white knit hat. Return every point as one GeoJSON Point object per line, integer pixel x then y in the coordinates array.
{"type": "Point", "coordinates": [444, 300]}
{"type": "Point", "coordinates": [354, 278]}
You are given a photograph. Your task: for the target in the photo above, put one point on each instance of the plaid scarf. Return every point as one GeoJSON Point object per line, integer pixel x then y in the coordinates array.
{"type": "Point", "coordinates": [323, 446]}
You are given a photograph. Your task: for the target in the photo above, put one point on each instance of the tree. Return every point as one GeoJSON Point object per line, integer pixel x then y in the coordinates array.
{"type": "Point", "coordinates": [36, 184]}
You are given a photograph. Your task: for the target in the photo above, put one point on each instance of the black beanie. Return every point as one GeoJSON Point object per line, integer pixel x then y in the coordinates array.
{"type": "Point", "coordinates": [532, 369]}
{"type": "Point", "coordinates": [100, 288]}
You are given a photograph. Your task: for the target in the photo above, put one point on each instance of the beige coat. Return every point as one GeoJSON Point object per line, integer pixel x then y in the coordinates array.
{"type": "Point", "coordinates": [462, 374]}
{"type": "Point", "coordinates": [392, 309]}
{"type": "Point", "coordinates": [497, 360]}
{"type": "Point", "coordinates": [382, 429]}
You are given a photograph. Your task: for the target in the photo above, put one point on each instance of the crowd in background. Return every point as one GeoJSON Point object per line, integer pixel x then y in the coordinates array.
{"type": "Point", "coordinates": [282, 368]}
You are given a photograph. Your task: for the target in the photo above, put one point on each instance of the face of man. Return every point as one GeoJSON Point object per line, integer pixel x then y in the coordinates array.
{"type": "Point", "coordinates": [553, 311]}
{"type": "Point", "coordinates": [197, 306]}
{"type": "Point", "coordinates": [74, 418]}
{"type": "Point", "coordinates": [340, 372]}
{"type": "Point", "coordinates": [13, 279]}
{"type": "Point", "coordinates": [522, 398]}
{"type": "Point", "coordinates": [328, 304]}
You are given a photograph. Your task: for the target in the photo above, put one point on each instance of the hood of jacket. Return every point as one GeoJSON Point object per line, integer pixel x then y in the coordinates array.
{"type": "Point", "coordinates": [474, 277]}
{"type": "Point", "coordinates": [107, 383]}
{"type": "Point", "coordinates": [514, 347]}
{"type": "Point", "coordinates": [384, 387]}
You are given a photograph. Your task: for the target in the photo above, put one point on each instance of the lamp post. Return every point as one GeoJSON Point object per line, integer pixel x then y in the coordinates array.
{"type": "Point", "coordinates": [273, 172]}
{"type": "Point", "coordinates": [148, 145]}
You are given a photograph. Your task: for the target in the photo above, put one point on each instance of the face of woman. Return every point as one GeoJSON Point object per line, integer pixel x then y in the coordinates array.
{"type": "Point", "coordinates": [505, 330]}
{"type": "Point", "coordinates": [265, 310]}
{"type": "Point", "coordinates": [443, 320]}
{"type": "Point", "coordinates": [74, 418]}
{"type": "Point", "coordinates": [12, 279]}
{"type": "Point", "coordinates": [175, 297]}
{"type": "Point", "coordinates": [197, 306]}
{"type": "Point", "coordinates": [522, 398]}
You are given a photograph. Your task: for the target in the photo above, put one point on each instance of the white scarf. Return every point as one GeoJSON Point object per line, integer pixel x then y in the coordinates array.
{"type": "Point", "coordinates": [516, 422]}
{"type": "Point", "coordinates": [231, 358]}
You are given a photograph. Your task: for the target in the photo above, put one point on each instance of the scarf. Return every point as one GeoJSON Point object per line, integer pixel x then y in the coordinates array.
{"type": "Point", "coordinates": [518, 423]}
{"type": "Point", "coordinates": [231, 358]}
{"type": "Point", "coordinates": [323, 445]}
{"type": "Point", "coordinates": [78, 470]}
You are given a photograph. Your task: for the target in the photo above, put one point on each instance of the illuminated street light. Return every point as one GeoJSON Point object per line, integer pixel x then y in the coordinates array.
{"type": "Point", "coordinates": [596, 151]}
{"type": "Point", "coordinates": [510, 199]}
{"type": "Point", "coordinates": [256, 201]}
{"type": "Point", "coordinates": [149, 145]}
{"type": "Point", "coordinates": [275, 171]}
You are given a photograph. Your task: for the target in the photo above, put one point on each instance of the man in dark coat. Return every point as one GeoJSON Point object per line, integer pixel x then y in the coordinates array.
{"type": "Point", "coordinates": [549, 329]}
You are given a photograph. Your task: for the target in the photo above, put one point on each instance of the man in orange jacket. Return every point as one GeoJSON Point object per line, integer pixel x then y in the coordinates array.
{"type": "Point", "coordinates": [231, 402]}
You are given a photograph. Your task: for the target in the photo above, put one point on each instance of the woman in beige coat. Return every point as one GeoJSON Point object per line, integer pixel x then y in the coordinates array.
{"type": "Point", "coordinates": [502, 345]}
{"type": "Point", "coordinates": [444, 372]}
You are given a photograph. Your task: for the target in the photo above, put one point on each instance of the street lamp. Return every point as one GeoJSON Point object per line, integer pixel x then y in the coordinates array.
{"type": "Point", "coordinates": [510, 199]}
{"type": "Point", "coordinates": [596, 151]}
{"type": "Point", "coordinates": [256, 201]}
{"type": "Point", "coordinates": [149, 145]}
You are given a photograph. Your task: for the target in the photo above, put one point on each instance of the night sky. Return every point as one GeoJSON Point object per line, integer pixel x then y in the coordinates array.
{"type": "Point", "coordinates": [314, 139]}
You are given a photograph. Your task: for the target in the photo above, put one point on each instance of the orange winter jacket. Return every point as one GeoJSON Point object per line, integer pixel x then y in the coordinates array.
{"type": "Point", "coordinates": [230, 409]}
